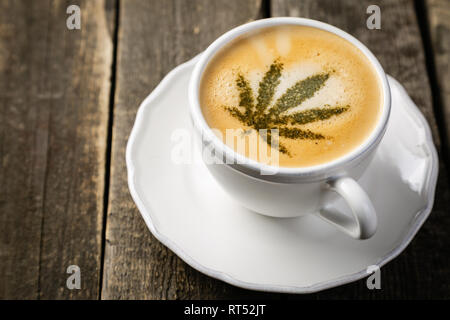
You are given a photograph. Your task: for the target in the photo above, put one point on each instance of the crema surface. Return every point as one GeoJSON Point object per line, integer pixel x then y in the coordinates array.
{"type": "Point", "coordinates": [317, 89]}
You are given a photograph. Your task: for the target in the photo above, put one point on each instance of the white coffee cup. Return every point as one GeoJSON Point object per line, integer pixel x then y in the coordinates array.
{"type": "Point", "coordinates": [292, 192]}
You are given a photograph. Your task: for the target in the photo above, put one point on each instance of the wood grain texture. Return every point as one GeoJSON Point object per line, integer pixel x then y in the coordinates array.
{"type": "Point", "coordinates": [54, 104]}
{"type": "Point", "coordinates": [54, 87]}
{"type": "Point", "coordinates": [421, 271]}
{"type": "Point", "coordinates": [154, 37]}
{"type": "Point", "coordinates": [439, 27]}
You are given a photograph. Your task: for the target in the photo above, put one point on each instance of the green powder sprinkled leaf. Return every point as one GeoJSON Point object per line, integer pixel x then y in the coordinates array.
{"type": "Point", "coordinates": [299, 92]}
{"type": "Point", "coordinates": [313, 115]}
{"type": "Point", "coordinates": [296, 133]}
{"type": "Point", "coordinates": [256, 117]}
{"type": "Point", "coordinates": [245, 95]}
{"type": "Point", "coordinates": [235, 112]}
{"type": "Point", "coordinates": [268, 85]}
{"type": "Point", "coordinates": [267, 137]}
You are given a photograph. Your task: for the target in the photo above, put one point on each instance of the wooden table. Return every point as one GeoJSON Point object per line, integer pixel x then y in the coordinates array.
{"type": "Point", "coordinates": [68, 100]}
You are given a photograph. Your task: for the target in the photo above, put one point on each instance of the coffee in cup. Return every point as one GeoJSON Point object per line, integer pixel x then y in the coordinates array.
{"type": "Point", "coordinates": [317, 92]}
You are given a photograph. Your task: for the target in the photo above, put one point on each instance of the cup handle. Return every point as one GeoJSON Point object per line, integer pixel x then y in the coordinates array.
{"type": "Point", "coordinates": [364, 222]}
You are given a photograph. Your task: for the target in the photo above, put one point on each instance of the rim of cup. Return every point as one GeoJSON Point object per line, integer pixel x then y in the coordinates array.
{"type": "Point", "coordinates": [249, 165]}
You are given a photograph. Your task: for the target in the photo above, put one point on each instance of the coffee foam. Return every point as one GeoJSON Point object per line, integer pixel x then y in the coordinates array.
{"type": "Point", "coordinates": [304, 52]}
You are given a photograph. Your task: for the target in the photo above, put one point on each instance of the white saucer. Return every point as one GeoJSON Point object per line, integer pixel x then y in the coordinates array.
{"type": "Point", "coordinates": [188, 212]}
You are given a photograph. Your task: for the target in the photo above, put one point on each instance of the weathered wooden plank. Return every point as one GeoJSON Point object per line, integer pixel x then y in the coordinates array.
{"type": "Point", "coordinates": [439, 27]}
{"type": "Point", "coordinates": [420, 270]}
{"type": "Point", "coordinates": [54, 90]}
{"type": "Point", "coordinates": [154, 37]}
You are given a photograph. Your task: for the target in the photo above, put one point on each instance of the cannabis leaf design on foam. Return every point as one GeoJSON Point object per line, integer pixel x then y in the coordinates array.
{"type": "Point", "coordinates": [260, 114]}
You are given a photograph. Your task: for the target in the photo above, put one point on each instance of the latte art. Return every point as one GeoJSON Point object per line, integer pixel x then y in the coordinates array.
{"type": "Point", "coordinates": [263, 117]}
{"type": "Point", "coordinates": [316, 90]}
